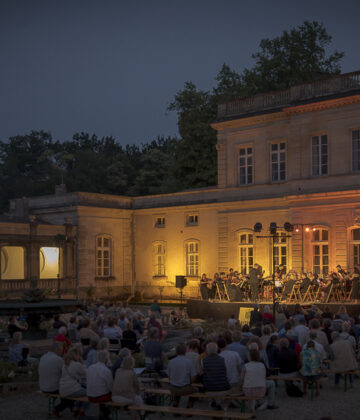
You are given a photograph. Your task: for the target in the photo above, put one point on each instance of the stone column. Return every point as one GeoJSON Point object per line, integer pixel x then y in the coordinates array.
{"type": "Point", "coordinates": [33, 256]}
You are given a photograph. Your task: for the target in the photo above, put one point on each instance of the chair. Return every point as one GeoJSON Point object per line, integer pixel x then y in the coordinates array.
{"type": "Point", "coordinates": [295, 294]}
{"type": "Point", "coordinates": [222, 294]}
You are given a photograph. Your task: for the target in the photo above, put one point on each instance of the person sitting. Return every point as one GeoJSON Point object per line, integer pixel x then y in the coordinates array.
{"type": "Point", "coordinates": [232, 322]}
{"type": "Point", "coordinates": [265, 338]}
{"type": "Point", "coordinates": [49, 370]}
{"type": "Point", "coordinates": [122, 354]}
{"type": "Point", "coordinates": [287, 361]}
{"type": "Point", "coordinates": [237, 346]}
{"type": "Point", "coordinates": [301, 330]}
{"type": "Point", "coordinates": [154, 355]}
{"type": "Point", "coordinates": [14, 326]}
{"type": "Point", "coordinates": [181, 374]}
{"type": "Point", "coordinates": [100, 382]}
{"type": "Point", "coordinates": [18, 351]}
{"type": "Point", "coordinates": [246, 334]}
{"type": "Point", "coordinates": [233, 364]}
{"type": "Point", "coordinates": [318, 347]}
{"type": "Point", "coordinates": [91, 355]}
{"type": "Point", "coordinates": [253, 379]}
{"type": "Point", "coordinates": [342, 357]}
{"type": "Point", "coordinates": [255, 316]}
{"type": "Point", "coordinates": [58, 322]}
{"type": "Point", "coordinates": [72, 381]}
{"type": "Point", "coordinates": [111, 331]}
{"type": "Point", "coordinates": [86, 333]}
{"type": "Point", "coordinates": [345, 334]}
{"type": "Point", "coordinates": [310, 365]}
{"type": "Point", "coordinates": [126, 387]}
{"type": "Point", "coordinates": [153, 323]}
{"type": "Point", "coordinates": [138, 325]}
{"type": "Point", "coordinates": [123, 321]}
{"type": "Point", "coordinates": [61, 338]}
{"type": "Point", "coordinates": [272, 350]}
{"type": "Point", "coordinates": [267, 316]}
{"type": "Point", "coordinates": [193, 355]}
{"type": "Point", "coordinates": [214, 367]}
{"type": "Point", "coordinates": [321, 336]}
{"type": "Point", "coordinates": [129, 337]}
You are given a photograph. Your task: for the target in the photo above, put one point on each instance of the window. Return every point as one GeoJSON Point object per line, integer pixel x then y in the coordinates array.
{"type": "Point", "coordinates": [192, 220]}
{"type": "Point", "coordinates": [280, 249]}
{"type": "Point", "coordinates": [192, 258]}
{"type": "Point", "coordinates": [50, 266]}
{"type": "Point", "coordinates": [245, 166]}
{"type": "Point", "coordinates": [159, 258]}
{"type": "Point", "coordinates": [355, 246]}
{"type": "Point", "coordinates": [355, 150]}
{"type": "Point", "coordinates": [246, 252]}
{"type": "Point", "coordinates": [159, 222]}
{"type": "Point", "coordinates": [278, 159]}
{"type": "Point", "coordinates": [319, 155]}
{"type": "Point", "coordinates": [321, 251]}
{"type": "Point", "coordinates": [12, 263]}
{"type": "Point", "coordinates": [103, 256]}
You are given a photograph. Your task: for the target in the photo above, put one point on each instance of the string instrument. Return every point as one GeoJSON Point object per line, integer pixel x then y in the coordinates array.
{"type": "Point", "coordinates": [209, 283]}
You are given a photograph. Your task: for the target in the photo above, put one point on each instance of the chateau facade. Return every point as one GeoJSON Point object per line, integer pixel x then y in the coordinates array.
{"type": "Point", "coordinates": [284, 157]}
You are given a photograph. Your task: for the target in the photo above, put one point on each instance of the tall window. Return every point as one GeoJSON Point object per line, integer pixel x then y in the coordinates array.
{"type": "Point", "coordinates": [159, 258]}
{"type": "Point", "coordinates": [12, 263]}
{"type": "Point", "coordinates": [103, 256]}
{"type": "Point", "coordinates": [355, 150]}
{"type": "Point", "coordinates": [355, 246]}
{"type": "Point", "coordinates": [280, 249]}
{"type": "Point", "coordinates": [278, 162]}
{"type": "Point", "coordinates": [319, 155]}
{"type": "Point", "coordinates": [246, 252]}
{"type": "Point", "coordinates": [192, 258]}
{"type": "Point", "coordinates": [321, 251]}
{"type": "Point", "coordinates": [245, 166]}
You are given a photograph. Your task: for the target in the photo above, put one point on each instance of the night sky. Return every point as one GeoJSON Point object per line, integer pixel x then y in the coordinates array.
{"type": "Point", "coordinates": [111, 67]}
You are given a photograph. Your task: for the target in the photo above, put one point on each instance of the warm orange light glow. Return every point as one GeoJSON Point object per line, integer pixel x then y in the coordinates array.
{"type": "Point", "coordinates": [307, 229]}
{"type": "Point", "coordinates": [297, 230]}
{"type": "Point", "coordinates": [314, 229]}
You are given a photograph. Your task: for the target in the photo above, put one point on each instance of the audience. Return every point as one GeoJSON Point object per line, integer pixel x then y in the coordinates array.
{"type": "Point", "coordinates": [18, 351]}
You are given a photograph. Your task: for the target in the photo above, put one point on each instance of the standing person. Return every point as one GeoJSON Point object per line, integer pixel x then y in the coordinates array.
{"type": "Point", "coordinates": [255, 276]}
{"type": "Point", "coordinates": [181, 373]}
{"type": "Point", "coordinates": [204, 283]}
{"type": "Point", "coordinates": [255, 316]}
{"type": "Point", "coordinates": [310, 365]}
{"type": "Point", "coordinates": [155, 308]}
{"type": "Point", "coordinates": [355, 284]}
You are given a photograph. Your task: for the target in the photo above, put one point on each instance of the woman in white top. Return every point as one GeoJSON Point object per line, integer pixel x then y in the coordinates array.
{"type": "Point", "coordinates": [73, 378]}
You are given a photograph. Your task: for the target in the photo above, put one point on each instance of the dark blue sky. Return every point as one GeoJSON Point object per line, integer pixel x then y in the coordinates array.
{"type": "Point", "coordinates": [111, 67]}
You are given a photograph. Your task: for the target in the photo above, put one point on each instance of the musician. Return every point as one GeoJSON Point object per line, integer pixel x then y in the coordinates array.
{"type": "Point", "coordinates": [305, 283]}
{"type": "Point", "coordinates": [255, 276]}
{"type": "Point", "coordinates": [281, 270]}
{"type": "Point", "coordinates": [235, 288]}
{"type": "Point", "coordinates": [355, 279]}
{"type": "Point", "coordinates": [204, 282]}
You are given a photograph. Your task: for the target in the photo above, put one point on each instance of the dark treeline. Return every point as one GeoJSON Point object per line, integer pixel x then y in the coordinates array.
{"type": "Point", "coordinates": [34, 163]}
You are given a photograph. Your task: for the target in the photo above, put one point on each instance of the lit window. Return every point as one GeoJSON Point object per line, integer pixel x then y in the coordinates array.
{"type": "Point", "coordinates": [245, 166]}
{"type": "Point", "coordinates": [355, 150]}
{"type": "Point", "coordinates": [49, 262]}
{"type": "Point", "coordinates": [159, 251]}
{"type": "Point", "coordinates": [103, 256]}
{"type": "Point", "coordinates": [280, 249]}
{"type": "Point", "coordinates": [192, 258]}
{"type": "Point", "coordinates": [320, 251]}
{"type": "Point", "coordinates": [12, 263]}
{"type": "Point", "coordinates": [278, 162]}
{"type": "Point", "coordinates": [355, 246]}
{"type": "Point", "coordinates": [246, 252]}
{"type": "Point", "coordinates": [192, 220]}
{"type": "Point", "coordinates": [319, 155]}
{"type": "Point", "coordinates": [159, 222]}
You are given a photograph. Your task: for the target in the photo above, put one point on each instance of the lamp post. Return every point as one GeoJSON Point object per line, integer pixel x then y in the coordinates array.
{"type": "Point", "coordinates": [273, 235]}
{"type": "Point", "coordinates": [308, 228]}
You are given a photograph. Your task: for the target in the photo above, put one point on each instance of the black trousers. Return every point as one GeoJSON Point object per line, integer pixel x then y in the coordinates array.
{"type": "Point", "coordinates": [204, 292]}
{"type": "Point", "coordinates": [254, 287]}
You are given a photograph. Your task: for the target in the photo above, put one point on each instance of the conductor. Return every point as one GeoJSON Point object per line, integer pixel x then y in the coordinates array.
{"type": "Point", "coordinates": [255, 275]}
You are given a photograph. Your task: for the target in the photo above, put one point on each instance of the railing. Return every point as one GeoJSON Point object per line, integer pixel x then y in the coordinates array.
{"type": "Point", "coordinates": [314, 89]}
{"type": "Point", "coordinates": [14, 284]}
{"type": "Point", "coordinates": [20, 285]}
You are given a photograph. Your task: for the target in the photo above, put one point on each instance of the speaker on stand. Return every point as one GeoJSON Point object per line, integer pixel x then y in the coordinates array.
{"type": "Point", "coordinates": [180, 283]}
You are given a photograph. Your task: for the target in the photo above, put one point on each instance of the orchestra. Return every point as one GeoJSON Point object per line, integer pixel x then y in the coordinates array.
{"type": "Point", "coordinates": [337, 285]}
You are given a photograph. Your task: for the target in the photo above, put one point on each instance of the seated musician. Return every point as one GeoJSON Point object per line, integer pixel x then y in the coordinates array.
{"type": "Point", "coordinates": [288, 285]}
{"type": "Point", "coordinates": [305, 283]}
{"type": "Point", "coordinates": [234, 289]}
{"type": "Point", "coordinates": [325, 287]}
{"type": "Point", "coordinates": [204, 282]}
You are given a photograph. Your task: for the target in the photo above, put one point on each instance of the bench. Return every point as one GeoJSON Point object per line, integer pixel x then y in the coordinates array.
{"type": "Point", "coordinates": [298, 379]}
{"type": "Point", "coordinates": [346, 374]}
{"type": "Point", "coordinates": [191, 412]}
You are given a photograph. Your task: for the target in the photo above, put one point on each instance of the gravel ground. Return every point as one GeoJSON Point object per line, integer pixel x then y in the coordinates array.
{"type": "Point", "coordinates": [336, 404]}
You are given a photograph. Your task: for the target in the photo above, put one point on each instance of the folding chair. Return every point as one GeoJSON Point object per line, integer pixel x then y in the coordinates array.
{"type": "Point", "coordinates": [295, 294]}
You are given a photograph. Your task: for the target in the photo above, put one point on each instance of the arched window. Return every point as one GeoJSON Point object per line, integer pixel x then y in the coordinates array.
{"type": "Point", "coordinates": [103, 256]}
{"type": "Point", "coordinates": [320, 245]}
{"type": "Point", "coordinates": [12, 263]}
{"type": "Point", "coordinates": [280, 249]}
{"type": "Point", "coordinates": [246, 252]}
{"type": "Point", "coordinates": [159, 252]}
{"type": "Point", "coordinates": [355, 246]}
{"type": "Point", "coordinates": [192, 258]}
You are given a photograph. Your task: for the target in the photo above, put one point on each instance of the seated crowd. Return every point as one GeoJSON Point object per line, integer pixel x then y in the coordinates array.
{"type": "Point", "coordinates": [241, 360]}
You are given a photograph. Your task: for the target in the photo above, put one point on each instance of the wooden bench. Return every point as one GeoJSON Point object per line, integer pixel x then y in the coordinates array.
{"type": "Point", "coordinates": [192, 412]}
{"type": "Point", "coordinates": [345, 375]}
{"type": "Point", "coordinates": [298, 379]}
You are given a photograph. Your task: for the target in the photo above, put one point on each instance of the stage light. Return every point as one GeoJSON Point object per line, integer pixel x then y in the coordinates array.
{"type": "Point", "coordinates": [288, 227]}
{"type": "Point", "coordinates": [297, 230]}
{"type": "Point", "coordinates": [273, 228]}
{"type": "Point", "coordinates": [257, 227]}
{"type": "Point", "coordinates": [307, 229]}
{"type": "Point", "coordinates": [314, 229]}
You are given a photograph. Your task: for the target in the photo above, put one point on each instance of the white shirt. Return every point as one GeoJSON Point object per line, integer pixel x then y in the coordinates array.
{"type": "Point", "coordinates": [233, 363]}
{"type": "Point", "coordinates": [195, 360]}
{"type": "Point", "coordinates": [99, 380]}
{"type": "Point", "coordinates": [180, 371]}
{"type": "Point", "coordinates": [301, 332]}
{"type": "Point", "coordinates": [50, 367]}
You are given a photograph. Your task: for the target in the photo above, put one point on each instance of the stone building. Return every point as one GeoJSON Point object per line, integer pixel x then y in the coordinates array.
{"type": "Point", "coordinates": [291, 156]}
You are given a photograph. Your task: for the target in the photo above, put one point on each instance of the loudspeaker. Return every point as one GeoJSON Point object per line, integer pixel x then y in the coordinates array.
{"type": "Point", "coordinates": [180, 282]}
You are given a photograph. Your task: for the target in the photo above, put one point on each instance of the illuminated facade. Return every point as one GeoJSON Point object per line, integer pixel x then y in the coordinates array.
{"type": "Point", "coordinates": [290, 156]}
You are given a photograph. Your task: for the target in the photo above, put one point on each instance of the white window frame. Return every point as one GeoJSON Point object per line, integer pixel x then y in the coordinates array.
{"type": "Point", "coordinates": [159, 221]}
{"type": "Point", "coordinates": [319, 168]}
{"type": "Point", "coordinates": [192, 258]}
{"type": "Point", "coordinates": [277, 153]}
{"type": "Point", "coordinates": [246, 156]}
{"type": "Point", "coordinates": [355, 248]}
{"type": "Point", "coordinates": [321, 243]}
{"type": "Point", "coordinates": [159, 253]}
{"type": "Point", "coordinates": [192, 219]}
{"type": "Point", "coordinates": [246, 252]}
{"type": "Point", "coordinates": [355, 163]}
{"type": "Point", "coordinates": [103, 256]}
{"type": "Point", "coordinates": [281, 242]}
